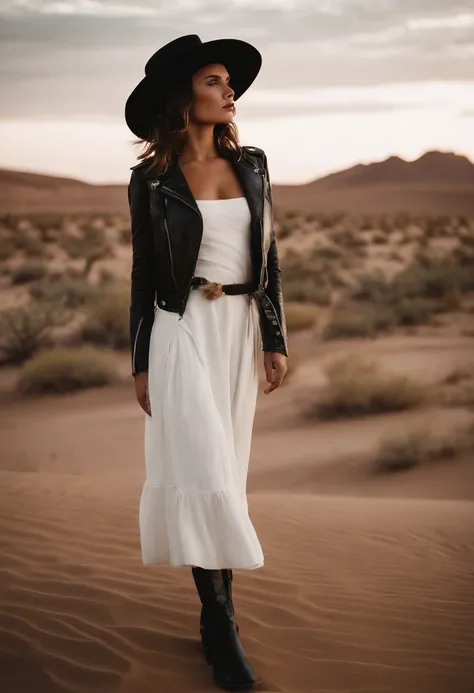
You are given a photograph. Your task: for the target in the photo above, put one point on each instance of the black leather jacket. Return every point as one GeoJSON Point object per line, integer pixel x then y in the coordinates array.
{"type": "Point", "coordinates": [166, 234]}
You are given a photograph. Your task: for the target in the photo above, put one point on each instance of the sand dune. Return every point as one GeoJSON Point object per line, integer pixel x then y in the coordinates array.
{"type": "Point", "coordinates": [367, 584]}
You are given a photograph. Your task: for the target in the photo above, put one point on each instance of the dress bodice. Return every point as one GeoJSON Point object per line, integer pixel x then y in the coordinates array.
{"type": "Point", "coordinates": [224, 253]}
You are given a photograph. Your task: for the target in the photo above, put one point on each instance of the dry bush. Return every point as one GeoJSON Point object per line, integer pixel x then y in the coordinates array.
{"type": "Point", "coordinates": [64, 370]}
{"type": "Point", "coordinates": [300, 316]}
{"type": "Point", "coordinates": [107, 322]}
{"type": "Point", "coordinates": [92, 245]}
{"type": "Point", "coordinates": [7, 248]}
{"type": "Point", "coordinates": [379, 238]}
{"type": "Point", "coordinates": [309, 277]}
{"type": "Point", "coordinates": [357, 387]}
{"type": "Point", "coordinates": [348, 238]}
{"type": "Point", "coordinates": [415, 311]}
{"type": "Point", "coordinates": [332, 252]}
{"type": "Point", "coordinates": [125, 235]}
{"type": "Point", "coordinates": [307, 290]}
{"type": "Point", "coordinates": [417, 292]}
{"type": "Point", "coordinates": [67, 290]}
{"type": "Point", "coordinates": [24, 330]}
{"type": "Point", "coordinates": [28, 272]}
{"type": "Point", "coordinates": [457, 388]}
{"type": "Point", "coordinates": [408, 450]}
{"type": "Point", "coordinates": [352, 321]}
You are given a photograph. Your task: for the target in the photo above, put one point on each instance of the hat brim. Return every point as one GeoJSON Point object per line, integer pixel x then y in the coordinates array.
{"type": "Point", "coordinates": [242, 61]}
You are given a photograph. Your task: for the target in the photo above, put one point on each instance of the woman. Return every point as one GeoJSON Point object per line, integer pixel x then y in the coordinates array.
{"type": "Point", "coordinates": [204, 251]}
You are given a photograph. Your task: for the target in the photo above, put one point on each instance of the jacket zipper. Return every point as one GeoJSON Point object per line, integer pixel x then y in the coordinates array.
{"type": "Point", "coordinates": [136, 342]}
{"type": "Point", "coordinates": [262, 230]}
{"type": "Point", "coordinates": [185, 202]}
{"type": "Point", "coordinates": [169, 246]}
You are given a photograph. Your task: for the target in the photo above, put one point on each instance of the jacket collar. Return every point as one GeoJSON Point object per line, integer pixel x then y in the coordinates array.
{"type": "Point", "coordinates": [247, 169]}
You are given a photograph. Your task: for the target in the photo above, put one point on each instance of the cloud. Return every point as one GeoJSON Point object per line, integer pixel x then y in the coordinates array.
{"type": "Point", "coordinates": [76, 57]}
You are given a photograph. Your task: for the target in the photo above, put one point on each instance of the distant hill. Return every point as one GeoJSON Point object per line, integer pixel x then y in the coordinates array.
{"type": "Point", "coordinates": [23, 192]}
{"type": "Point", "coordinates": [436, 183]}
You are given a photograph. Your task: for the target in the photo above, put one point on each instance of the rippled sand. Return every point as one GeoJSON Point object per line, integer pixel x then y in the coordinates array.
{"type": "Point", "coordinates": [367, 585]}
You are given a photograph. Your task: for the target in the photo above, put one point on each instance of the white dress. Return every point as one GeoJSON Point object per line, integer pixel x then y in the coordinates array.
{"type": "Point", "coordinates": [203, 382]}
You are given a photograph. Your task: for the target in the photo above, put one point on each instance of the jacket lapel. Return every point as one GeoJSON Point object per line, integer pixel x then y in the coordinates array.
{"type": "Point", "coordinates": [251, 179]}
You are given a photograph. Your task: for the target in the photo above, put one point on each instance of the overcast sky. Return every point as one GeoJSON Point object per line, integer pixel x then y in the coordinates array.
{"type": "Point", "coordinates": [342, 81]}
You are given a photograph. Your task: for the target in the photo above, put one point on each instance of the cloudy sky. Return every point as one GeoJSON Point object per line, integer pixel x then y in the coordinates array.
{"type": "Point", "coordinates": [342, 81]}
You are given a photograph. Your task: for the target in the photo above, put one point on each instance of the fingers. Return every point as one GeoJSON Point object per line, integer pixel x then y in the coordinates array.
{"type": "Point", "coordinates": [276, 379]}
{"type": "Point", "coordinates": [268, 369]}
{"type": "Point", "coordinates": [144, 402]}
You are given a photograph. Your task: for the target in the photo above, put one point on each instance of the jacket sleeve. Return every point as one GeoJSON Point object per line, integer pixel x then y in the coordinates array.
{"type": "Point", "coordinates": [274, 289]}
{"type": "Point", "coordinates": [142, 294]}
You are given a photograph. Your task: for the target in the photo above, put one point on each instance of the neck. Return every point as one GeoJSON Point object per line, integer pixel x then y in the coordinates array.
{"type": "Point", "coordinates": [199, 146]}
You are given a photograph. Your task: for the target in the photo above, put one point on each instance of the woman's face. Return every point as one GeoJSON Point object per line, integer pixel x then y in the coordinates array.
{"type": "Point", "coordinates": [212, 94]}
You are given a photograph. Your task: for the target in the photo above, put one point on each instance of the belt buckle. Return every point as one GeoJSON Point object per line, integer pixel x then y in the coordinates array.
{"type": "Point", "coordinates": [212, 290]}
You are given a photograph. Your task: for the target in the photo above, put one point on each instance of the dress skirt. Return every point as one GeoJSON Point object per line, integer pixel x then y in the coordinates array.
{"type": "Point", "coordinates": [202, 384]}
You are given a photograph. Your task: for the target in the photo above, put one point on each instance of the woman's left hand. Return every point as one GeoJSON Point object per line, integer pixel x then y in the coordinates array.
{"type": "Point", "coordinates": [275, 369]}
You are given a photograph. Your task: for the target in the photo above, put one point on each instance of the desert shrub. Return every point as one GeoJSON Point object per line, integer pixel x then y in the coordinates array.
{"type": "Point", "coordinates": [435, 281]}
{"type": "Point", "coordinates": [398, 453]}
{"type": "Point", "coordinates": [438, 226]}
{"type": "Point", "coordinates": [352, 321]}
{"type": "Point", "coordinates": [379, 238]}
{"type": "Point", "coordinates": [307, 278]}
{"type": "Point", "coordinates": [387, 223]}
{"type": "Point", "coordinates": [372, 287]}
{"type": "Point", "coordinates": [92, 246]}
{"type": "Point", "coordinates": [106, 276]}
{"type": "Point", "coordinates": [331, 220]}
{"type": "Point", "coordinates": [357, 388]}
{"type": "Point", "coordinates": [107, 322]}
{"type": "Point", "coordinates": [7, 248]}
{"type": "Point", "coordinates": [330, 251]}
{"type": "Point", "coordinates": [307, 290]}
{"type": "Point", "coordinates": [395, 256]}
{"type": "Point", "coordinates": [64, 370]}
{"type": "Point", "coordinates": [415, 311]}
{"type": "Point", "coordinates": [347, 238]}
{"type": "Point", "coordinates": [68, 291]}
{"type": "Point", "coordinates": [28, 272]}
{"type": "Point", "coordinates": [33, 247]}
{"type": "Point", "coordinates": [47, 222]}
{"type": "Point", "coordinates": [24, 330]}
{"type": "Point", "coordinates": [125, 235]}
{"type": "Point", "coordinates": [401, 220]}
{"type": "Point", "coordinates": [464, 257]}
{"type": "Point", "coordinates": [366, 223]}
{"type": "Point", "coordinates": [429, 286]}
{"type": "Point", "coordinates": [300, 316]}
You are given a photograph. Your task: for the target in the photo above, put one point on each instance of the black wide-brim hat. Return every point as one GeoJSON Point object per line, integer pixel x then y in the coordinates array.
{"type": "Point", "coordinates": [181, 58]}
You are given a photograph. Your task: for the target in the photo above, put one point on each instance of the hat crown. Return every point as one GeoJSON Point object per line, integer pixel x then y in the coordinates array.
{"type": "Point", "coordinates": [170, 51]}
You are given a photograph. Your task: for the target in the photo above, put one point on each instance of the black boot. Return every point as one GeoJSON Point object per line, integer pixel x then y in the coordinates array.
{"type": "Point", "coordinates": [228, 577]}
{"type": "Point", "coordinates": [221, 640]}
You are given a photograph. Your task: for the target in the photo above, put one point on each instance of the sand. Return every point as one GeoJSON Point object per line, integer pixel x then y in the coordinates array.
{"type": "Point", "coordinates": [368, 579]}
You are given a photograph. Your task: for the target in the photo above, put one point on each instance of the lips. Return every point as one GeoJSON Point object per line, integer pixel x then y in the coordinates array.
{"type": "Point", "coordinates": [229, 106]}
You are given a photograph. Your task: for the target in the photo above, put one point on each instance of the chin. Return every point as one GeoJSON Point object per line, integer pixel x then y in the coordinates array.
{"type": "Point", "coordinates": [227, 117]}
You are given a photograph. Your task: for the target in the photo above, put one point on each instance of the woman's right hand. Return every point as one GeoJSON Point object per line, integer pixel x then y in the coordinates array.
{"type": "Point", "coordinates": [141, 391]}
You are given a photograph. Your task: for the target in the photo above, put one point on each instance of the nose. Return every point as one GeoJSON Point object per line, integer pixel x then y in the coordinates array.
{"type": "Point", "coordinates": [230, 92]}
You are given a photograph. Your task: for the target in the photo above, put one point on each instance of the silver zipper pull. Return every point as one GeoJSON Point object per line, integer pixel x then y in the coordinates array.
{"type": "Point", "coordinates": [154, 184]}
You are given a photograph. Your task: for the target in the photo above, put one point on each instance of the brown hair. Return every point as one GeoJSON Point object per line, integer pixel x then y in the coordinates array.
{"type": "Point", "coordinates": [169, 130]}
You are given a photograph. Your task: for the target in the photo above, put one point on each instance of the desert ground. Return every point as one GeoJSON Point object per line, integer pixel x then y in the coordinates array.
{"type": "Point", "coordinates": [361, 483]}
